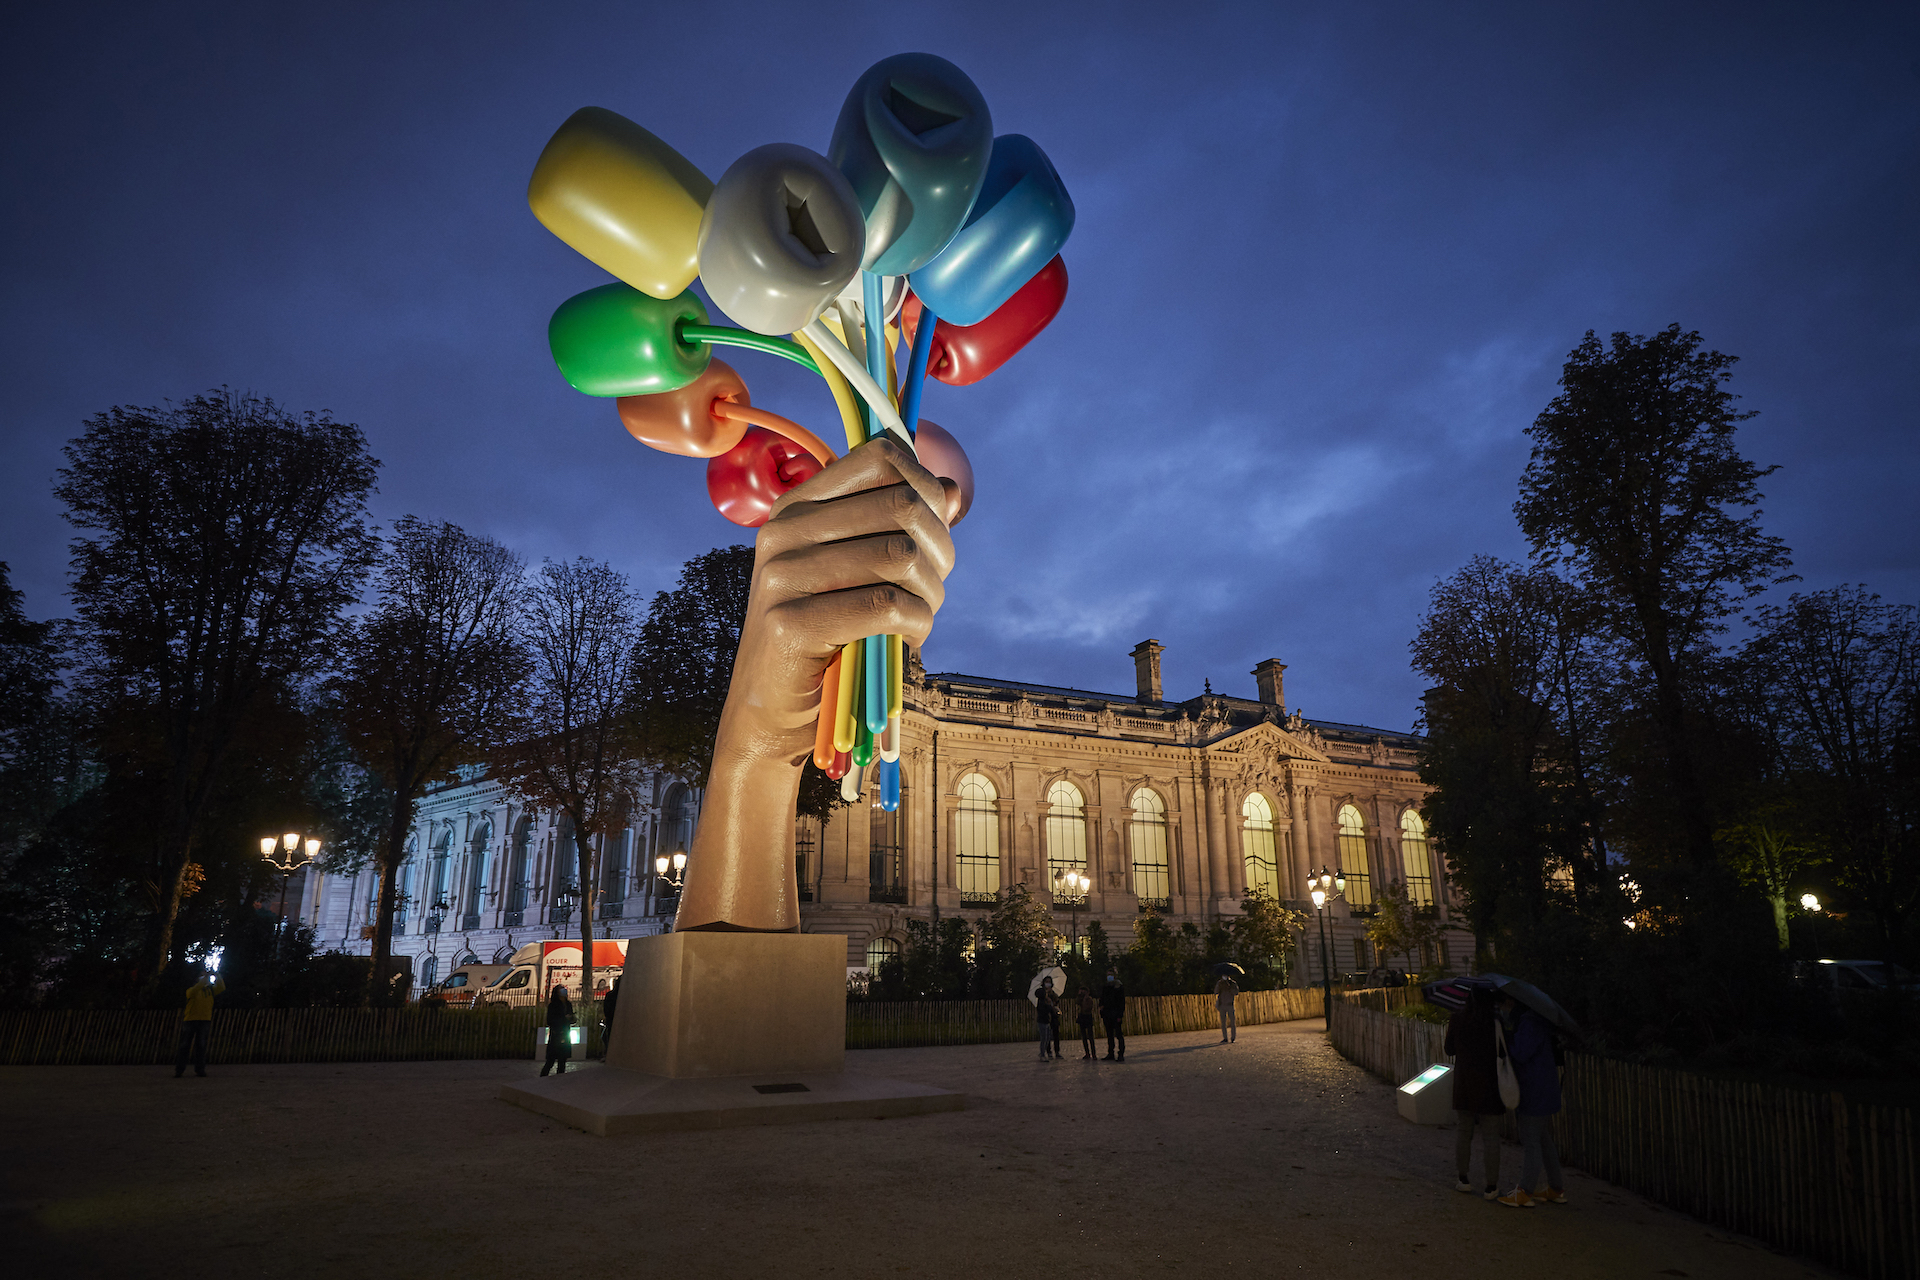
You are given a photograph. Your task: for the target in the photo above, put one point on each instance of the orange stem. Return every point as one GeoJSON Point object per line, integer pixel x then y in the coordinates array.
{"type": "Point", "coordinates": [775, 423]}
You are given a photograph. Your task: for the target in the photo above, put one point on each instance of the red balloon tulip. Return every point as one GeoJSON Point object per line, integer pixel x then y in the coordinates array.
{"type": "Point", "coordinates": [965, 354]}
{"type": "Point", "coordinates": [746, 480]}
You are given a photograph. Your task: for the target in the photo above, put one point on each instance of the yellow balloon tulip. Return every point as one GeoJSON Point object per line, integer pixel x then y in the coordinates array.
{"type": "Point", "coordinates": [624, 199]}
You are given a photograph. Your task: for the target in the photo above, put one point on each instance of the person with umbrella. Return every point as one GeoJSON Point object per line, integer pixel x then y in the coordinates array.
{"type": "Point", "coordinates": [1477, 1107]}
{"type": "Point", "coordinates": [1531, 1047]}
{"type": "Point", "coordinates": [1224, 992]}
{"type": "Point", "coordinates": [1046, 1011]}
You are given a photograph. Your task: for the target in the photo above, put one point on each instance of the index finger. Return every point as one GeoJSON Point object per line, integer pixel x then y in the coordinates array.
{"type": "Point", "coordinates": [873, 465]}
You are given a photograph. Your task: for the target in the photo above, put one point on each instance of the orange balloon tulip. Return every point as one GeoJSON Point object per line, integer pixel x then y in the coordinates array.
{"type": "Point", "coordinates": [683, 421]}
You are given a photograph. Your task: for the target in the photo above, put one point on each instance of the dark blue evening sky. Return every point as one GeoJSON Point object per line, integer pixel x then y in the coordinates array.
{"type": "Point", "coordinates": [1329, 259]}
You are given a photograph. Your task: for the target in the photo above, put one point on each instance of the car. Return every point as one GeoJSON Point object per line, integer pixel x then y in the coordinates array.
{"type": "Point", "coordinates": [1858, 976]}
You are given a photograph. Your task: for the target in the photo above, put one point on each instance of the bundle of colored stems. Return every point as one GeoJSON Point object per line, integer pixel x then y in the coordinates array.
{"type": "Point", "coordinates": [860, 695]}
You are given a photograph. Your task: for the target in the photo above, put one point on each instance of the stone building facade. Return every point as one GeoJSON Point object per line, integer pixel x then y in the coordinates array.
{"type": "Point", "coordinates": [1174, 806]}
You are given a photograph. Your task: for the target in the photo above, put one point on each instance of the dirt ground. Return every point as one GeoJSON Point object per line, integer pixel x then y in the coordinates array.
{"type": "Point", "coordinates": [1273, 1156]}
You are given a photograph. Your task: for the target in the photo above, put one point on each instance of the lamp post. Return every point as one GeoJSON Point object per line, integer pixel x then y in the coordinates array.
{"type": "Point", "coordinates": [1811, 905]}
{"type": "Point", "coordinates": [286, 854]}
{"type": "Point", "coordinates": [1326, 884]}
{"type": "Point", "coordinates": [563, 907]}
{"type": "Point", "coordinates": [1075, 886]}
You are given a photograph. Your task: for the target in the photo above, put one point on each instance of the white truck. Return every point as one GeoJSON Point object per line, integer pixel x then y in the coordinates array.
{"type": "Point", "coordinates": [539, 967]}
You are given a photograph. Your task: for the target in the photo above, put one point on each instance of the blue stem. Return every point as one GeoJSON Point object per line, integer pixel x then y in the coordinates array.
{"type": "Point", "coordinates": [889, 785]}
{"type": "Point", "coordinates": [876, 708]}
{"type": "Point", "coordinates": [873, 314]}
{"type": "Point", "coordinates": [917, 369]}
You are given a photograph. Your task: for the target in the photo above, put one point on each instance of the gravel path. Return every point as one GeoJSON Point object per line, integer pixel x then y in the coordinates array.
{"type": "Point", "coordinates": [1271, 1156]}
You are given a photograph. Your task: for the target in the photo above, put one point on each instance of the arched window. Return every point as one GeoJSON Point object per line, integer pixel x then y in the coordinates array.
{"type": "Point", "coordinates": [429, 972]}
{"type": "Point", "coordinates": [1413, 858]}
{"type": "Point", "coordinates": [478, 856]}
{"type": "Point", "coordinates": [439, 871]}
{"type": "Point", "coordinates": [1256, 845]}
{"type": "Point", "coordinates": [978, 840]}
{"type": "Point", "coordinates": [881, 950]}
{"type": "Point", "coordinates": [1353, 858]}
{"type": "Point", "coordinates": [887, 850]}
{"type": "Point", "coordinates": [519, 872]}
{"type": "Point", "coordinates": [403, 893]}
{"type": "Point", "coordinates": [1066, 838]}
{"type": "Point", "coordinates": [1148, 838]}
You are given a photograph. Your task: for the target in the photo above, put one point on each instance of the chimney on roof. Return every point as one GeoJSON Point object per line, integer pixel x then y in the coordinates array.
{"type": "Point", "coordinates": [1146, 669]}
{"type": "Point", "coordinates": [1268, 676]}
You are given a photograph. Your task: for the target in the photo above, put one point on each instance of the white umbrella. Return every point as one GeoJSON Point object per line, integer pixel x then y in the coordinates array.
{"type": "Point", "coordinates": [1059, 977]}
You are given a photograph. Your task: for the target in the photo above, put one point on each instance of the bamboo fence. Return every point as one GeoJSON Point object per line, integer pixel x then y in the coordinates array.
{"type": "Point", "coordinates": [1816, 1173]}
{"type": "Point", "coordinates": [54, 1037]}
{"type": "Point", "coordinates": [63, 1037]}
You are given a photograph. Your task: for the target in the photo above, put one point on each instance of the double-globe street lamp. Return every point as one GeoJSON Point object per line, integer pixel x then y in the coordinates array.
{"type": "Point", "coordinates": [287, 854]}
{"type": "Point", "coordinates": [1074, 885]}
{"type": "Point", "coordinates": [1326, 884]}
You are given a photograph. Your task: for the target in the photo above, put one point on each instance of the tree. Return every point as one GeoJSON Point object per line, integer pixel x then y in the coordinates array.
{"type": "Point", "coordinates": [1767, 854]}
{"type": "Point", "coordinates": [575, 746]}
{"type": "Point", "coordinates": [1397, 927]}
{"type": "Point", "coordinates": [1635, 486]}
{"type": "Point", "coordinates": [1016, 941]}
{"type": "Point", "coordinates": [229, 535]}
{"type": "Point", "coordinates": [1843, 672]}
{"type": "Point", "coordinates": [1515, 724]}
{"type": "Point", "coordinates": [683, 663]}
{"type": "Point", "coordinates": [426, 677]}
{"type": "Point", "coordinates": [1263, 935]}
{"type": "Point", "coordinates": [31, 765]}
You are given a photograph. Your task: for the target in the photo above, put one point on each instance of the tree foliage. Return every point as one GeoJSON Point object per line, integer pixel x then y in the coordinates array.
{"type": "Point", "coordinates": [1636, 489]}
{"type": "Point", "coordinates": [683, 663]}
{"type": "Point", "coordinates": [221, 539]}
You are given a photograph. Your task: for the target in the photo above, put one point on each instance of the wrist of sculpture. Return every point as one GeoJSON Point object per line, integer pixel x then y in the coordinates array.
{"type": "Point", "coordinates": [740, 872]}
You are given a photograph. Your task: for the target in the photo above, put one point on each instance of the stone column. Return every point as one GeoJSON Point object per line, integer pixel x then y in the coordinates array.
{"type": "Point", "coordinates": [1218, 885]}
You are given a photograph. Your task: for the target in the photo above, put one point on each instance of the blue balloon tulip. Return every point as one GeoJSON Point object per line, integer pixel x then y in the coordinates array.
{"type": "Point", "coordinates": [913, 138]}
{"type": "Point", "coordinates": [1020, 219]}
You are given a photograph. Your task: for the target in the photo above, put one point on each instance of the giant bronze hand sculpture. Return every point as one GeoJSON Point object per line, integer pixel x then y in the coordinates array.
{"type": "Point", "coordinates": [858, 550]}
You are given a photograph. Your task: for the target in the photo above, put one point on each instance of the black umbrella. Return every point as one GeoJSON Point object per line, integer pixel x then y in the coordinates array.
{"type": "Point", "coordinates": [1228, 969]}
{"type": "Point", "coordinates": [1535, 999]}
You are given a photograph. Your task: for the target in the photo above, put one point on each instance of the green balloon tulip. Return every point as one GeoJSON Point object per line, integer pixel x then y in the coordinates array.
{"type": "Point", "coordinates": [618, 341]}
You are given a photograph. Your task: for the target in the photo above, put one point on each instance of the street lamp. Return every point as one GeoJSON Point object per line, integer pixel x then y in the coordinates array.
{"type": "Point", "coordinates": [1075, 886]}
{"type": "Point", "coordinates": [287, 854]}
{"type": "Point", "coordinates": [563, 907]}
{"type": "Point", "coordinates": [1326, 884]}
{"type": "Point", "coordinates": [679, 864]}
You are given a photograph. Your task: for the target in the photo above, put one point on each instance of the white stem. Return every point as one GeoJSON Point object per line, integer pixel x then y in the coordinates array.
{"type": "Point", "coordinates": [862, 381]}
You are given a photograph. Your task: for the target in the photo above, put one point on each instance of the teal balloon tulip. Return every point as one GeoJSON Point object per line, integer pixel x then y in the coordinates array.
{"type": "Point", "coordinates": [914, 138]}
{"type": "Point", "coordinates": [618, 341]}
{"type": "Point", "coordinates": [1021, 218]}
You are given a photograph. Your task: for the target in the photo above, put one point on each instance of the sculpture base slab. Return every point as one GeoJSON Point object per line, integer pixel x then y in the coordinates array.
{"type": "Point", "coordinates": [611, 1101]}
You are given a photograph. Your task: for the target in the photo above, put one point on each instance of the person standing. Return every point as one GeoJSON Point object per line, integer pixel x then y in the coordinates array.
{"type": "Point", "coordinates": [196, 1022]}
{"type": "Point", "coordinates": [1224, 993]}
{"type": "Point", "coordinates": [1113, 1013]}
{"type": "Point", "coordinates": [1476, 1091]}
{"type": "Point", "coordinates": [1531, 1048]}
{"type": "Point", "coordinates": [559, 1031]}
{"type": "Point", "coordinates": [1046, 1013]}
{"type": "Point", "coordinates": [1087, 1007]}
{"type": "Point", "coordinates": [608, 1006]}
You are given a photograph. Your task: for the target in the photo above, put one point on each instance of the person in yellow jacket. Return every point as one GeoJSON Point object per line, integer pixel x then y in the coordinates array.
{"type": "Point", "coordinates": [196, 1022]}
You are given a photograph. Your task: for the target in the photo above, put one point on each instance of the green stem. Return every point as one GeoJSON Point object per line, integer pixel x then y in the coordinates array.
{"type": "Point", "coordinates": [691, 333]}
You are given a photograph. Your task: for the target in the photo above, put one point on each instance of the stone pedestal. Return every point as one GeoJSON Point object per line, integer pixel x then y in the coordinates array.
{"type": "Point", "coordinates": [695, 1005]}
{"type": "Point", "coordinates": [715, 1030]}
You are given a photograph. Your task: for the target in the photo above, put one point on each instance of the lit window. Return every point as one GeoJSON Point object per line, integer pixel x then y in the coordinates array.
{"type": "Point", "coordinates": [1256, 845]}
{"type": "Point", "coordinates": [1066, 837]}
{"type": "Point", "coordinates": [979, 841]}
{"type": "Point", "coordinates": [1413, 858]}
{"type": "Point", "coordinates": [1353, 858]}
{"type": "Point", "coordinates": [881, 950]}
{"type": "Point", "coordinates": [1149, 842]}
{"type": "Point", "coordinates": [886, 853]}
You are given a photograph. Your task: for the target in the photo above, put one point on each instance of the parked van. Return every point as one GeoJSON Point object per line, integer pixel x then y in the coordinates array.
{"type": "Point", "coordinates": [539, 967]}
{"type": "Point", "coordinates": [460, 987]}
